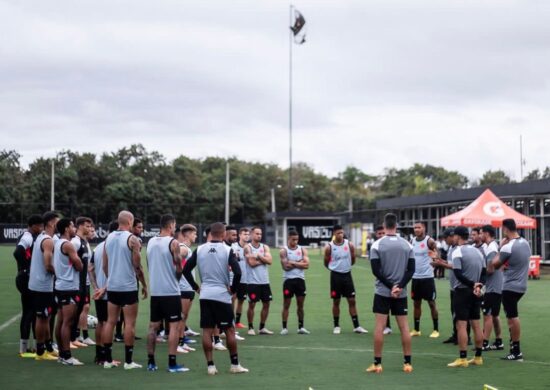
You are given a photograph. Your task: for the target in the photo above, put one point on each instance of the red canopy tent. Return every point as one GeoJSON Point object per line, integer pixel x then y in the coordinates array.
{"type": "Point", "coordinates": [488, 209]}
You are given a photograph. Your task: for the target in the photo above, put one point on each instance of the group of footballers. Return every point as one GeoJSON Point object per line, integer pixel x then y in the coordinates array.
{"type": "Point", "coordinates": [56, 268]}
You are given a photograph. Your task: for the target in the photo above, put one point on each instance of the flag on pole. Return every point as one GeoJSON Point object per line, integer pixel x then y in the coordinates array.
{"type": "Point", "coordinates": [298, 27]}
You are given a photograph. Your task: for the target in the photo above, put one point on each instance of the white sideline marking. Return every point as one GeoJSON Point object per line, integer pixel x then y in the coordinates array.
{"type": "Point", "coordinates": [9, 322]}
{"type": "Point", "coordinates": [371, 350]}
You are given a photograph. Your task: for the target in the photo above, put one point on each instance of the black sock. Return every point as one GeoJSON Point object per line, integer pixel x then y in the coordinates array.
{"type": "Point", "coordinates": [463, 354]}
{"type": "Point", "coordinates": [498, 341]}
{"type": "Point", "coordinates": [186, 328]}
{"type": "Point", "coordinates": [388, 325]}
{"type": "Point", "coordinates": [336, 321]}
{"type": "Point", "coordinates": [118, 330]}
{"type": "Point", "coordinates": [210, 363]}
{"type": "Point", "coordinates": [250, 325]}
{"type": "Point", "coordinates": [436, 324]}
{"type": "Point", "coordinates": [40, 349]}
{"type": "Point", "coordinates": [485, 343]}
{"type": "Point", "coordinates": [77, 333]}
{"type": "Point", "coordinates": [85, 334]}
{"type": "Point", "coordinates": [49, 345]}
{"type": "Point", "coordinates": [478, 352]}
{"type": "Point", "coordinates": [417, 324]}
{"type": "Point", "coordinates": [262, 325]}
{"type": "Point", "coordinates": [182, 341]}
{"type": "Point", "coordinates": [300, 324]}
{"type": "Point", "coordinates": [151, 360]}
{"type": "Point", "coordinates": [128, 352]}
{"type": "Point", "coordinates": [237, 318]}
{"type": "Point", "coordinates": [284, 324]}
{"type": "Point", "coordinates": [97, 351]}
{"type": "Point", "coordinates": [408, 359]}
{"type": "Point", "coordinates": [101, 353]}
{"type": "Point", "coordinates": [171, 360]}
{"type": "Point", "coordinates": [355, 321]}
{"type": "Point", "coordinates": [108, 349]}
{"type": "Point", "coordinates": [216, 339]}
{"type": "Point", "coordinates": [66, 354]}
{"type": "Point", "coordinates": [235, 359]}
{"type": "Point", "coordinates": [377, 360]}
{"type": "Point", "coordinates": [516, 350]}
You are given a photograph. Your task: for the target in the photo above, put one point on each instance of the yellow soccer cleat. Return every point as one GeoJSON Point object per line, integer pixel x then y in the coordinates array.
{"type": "Point", "coordinates": [375, 368]}
{"type": "Point", "coordinates": [415, 333]}
{"type": "Point", "coordinates": [476, 361]}
{"type": "Point", "coordinates": [459, 363]}
{"type": "Point", "coordinates": [45, 356]}
{"type": "Point", "coordinates": [434, 335]}
{"type": "Point", "coordinates": [27, 355]}
{"type": "Point", "coordinates": [407, 367]}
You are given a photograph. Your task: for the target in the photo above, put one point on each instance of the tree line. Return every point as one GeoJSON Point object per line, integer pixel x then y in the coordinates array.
{"type": "Point", "coordinates": [194, 189]}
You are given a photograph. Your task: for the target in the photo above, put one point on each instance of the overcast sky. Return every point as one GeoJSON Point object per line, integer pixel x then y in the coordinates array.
{"type": "Point", "coordinates": [377, 84]}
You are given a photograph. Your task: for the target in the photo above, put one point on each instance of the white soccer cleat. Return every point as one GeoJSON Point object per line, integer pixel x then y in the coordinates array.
{"type": "Point", "coordinates": [251, 332]}
{"type": "Point", "coordinates": [387, 330]}
{"type": "Point", "coordinates": [191, 333]}
{"type": "Point", "coordinates": [237, 369]}
{"type": "Point", "coordinates": [188, 348]}
{"type": "Point", "coordinates": [72, 361]}
{"type": "Point", "coordinates": [336, 330]}
{"type": "Point", "coordinates": [303, 331]}
{"type": "Point", "coordinates": [219, 346]}
{"type": "Point", "coordinates": [109, 364]}
{"type": "Point", "coordinates": [265, 331]}
{"type": "Point", "coordinates": [360, 330]}
{"type": "Point", "coordinates": [88, 341]}
{"type": "Point", "coordinates": [212, 370]}
{"type": "Point", "coordinates": [239, 338]}
{"type": "Point", "coordinates": [181, 349]}
{"type": "Point", "coordinates": [284, 332]}
{"type": "Point", "coordinates": [132, 366]}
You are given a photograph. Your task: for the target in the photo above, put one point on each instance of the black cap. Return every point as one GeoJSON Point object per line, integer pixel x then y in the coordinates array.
{"type": "Point", "coordinates": [462, 232]}
{"type": "Point", "coordinates": [448, 232]}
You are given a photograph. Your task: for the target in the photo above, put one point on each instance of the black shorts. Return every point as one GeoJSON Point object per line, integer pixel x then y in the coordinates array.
{"type": "Point", "coordinates": [242, 291]}
{"type": "Point", "coordinates": [65, 298]}
{"type": "Point", "coordinates": [466, 305]}
{"type": "Point", "coordinates": [259, 292]}
{"type": "Point", "coordinates": [295, 286]}
{"type": "Point", "coordinates": [216, 314]}
{"type": "Point", "coordinates": [42, 303]}
{"type": "Point", "coordinates": [166, 308]}
{"type": "Point", "coordinates": [341, 285]}
{"type": "Point", "coordinates": [22, 282]}
{"type": "Point", "coordinates": [187, 295]}
{"type": "Point", "coordinates": [491, 304]}
{"type": "Point", "coordinates": [423, 289]}
{"type": "Point", "coordinates": [83, 298]}
{"type": "Point", "coordinates": [123, 298]}
{"type": "Point", "coordinates": [383, 305]}
{"type": "Point", "coordinates": [101, 310]}
{"type": "Point", "coordinates": [510, 301]}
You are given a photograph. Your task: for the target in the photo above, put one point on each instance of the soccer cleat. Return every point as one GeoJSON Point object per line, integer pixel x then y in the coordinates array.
{"type": "Point", "coordinates": [219, 346]}
{"type": "Point", "coordinates": [131, 366]}
{"type": "Point", "coordinates": [336, 330]}
{"type": "Point", "coordinates": [237, 369]}
{"type": "Point", "coordinates": [265, 331]}
{"type": "Point", "coordinates": [109, 364]}
{"type": "Point", "coordinates": [284, 332]}
{"type": "Point", "coordinates": [177, 368]}
{"type": "Point", "coordinates": [54, 352]}
{"type": "Point", "coordinates": [88, 341]}
{"type": "Point", "coordinates": [407, 367]}
{"type": "Point", "coordinates": [240, 325]}
{"type": "Point", "coordinates": [45, 356]}
{"type": "Point", "coordinates": [27, 355]}
{"type": "Point", "coordinates": [188, 348]}
{"type": "Point", "coordinates": [513, 357]}
{"type": "Point", "coordinates": [459, 363]}
{"type": "Point", "coordinates": [476, 361]}
{"type": "Point", "coordinates": [73, 345]}
{"type": "Point", "coordinates": [212, 370]}
{"type": "Point", "coordinates": [415, 333]}
{"type": "Point", "coordinates": [303, 330]}
{"type": "Point", "coordinates": [191, 333]}
{"type": "Point", "coordinates": [375, 369]}
{"type": "Point", "coordinates": [152, 367]}
{"type": "Point", "coordinates": [496, 347]}
{"type": "Point", "coordinates": [187, 340]}
{"type": "Point", "coordinates": [251, 332]}
{"type": "Point", "coordinates": [387, 331]}
{"type": "Point", "coordinates": [79, 344]}
{"type": "Point", "coordinates": [360, 330]}
{"type": "Point", "coordinates": [450, 340]}
{"type": "Point", "coordinates": [181, 349]}
{"type": "Point", "coordinates": [238, 337]}
{"type": "Point", "coordinates": [72, 361]}
{"type": "Point", "coordinates": [119, 338]}
{"type": "Point", "coordinates": [434, 334]}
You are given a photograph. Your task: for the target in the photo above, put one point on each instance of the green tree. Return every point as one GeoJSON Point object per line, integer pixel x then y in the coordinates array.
{"type": "Point", "coordinates": [491, 178]}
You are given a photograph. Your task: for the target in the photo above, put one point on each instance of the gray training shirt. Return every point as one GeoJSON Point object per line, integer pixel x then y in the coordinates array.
{"type": "Point", "coordinates": [452, 277]}
{"type": "Point", "coordinates": [39, 279]}
{"type": "Point", "coordinates": [258, 274]}
{"type": "Point", "coordinates": [495, 280]}
{"type": "Point", "coordinates": [516, 253]}
{"type": "Point", "coordinates": [162, 271]}
{"type": "Point", "coordinates": [213, 264]}
{"type": "Point", "coordinates": [394, 254]}
{"type": "Point", "coordinates": [470, 261]}
{"type": "Point", "coordinates": [66, 276]}
{"type": "Point", "coordinates": [97, 261]}
{"type": "Point", "coordinates": [122, 276]}
{"type": "Point", "coordinates": [340, 257]}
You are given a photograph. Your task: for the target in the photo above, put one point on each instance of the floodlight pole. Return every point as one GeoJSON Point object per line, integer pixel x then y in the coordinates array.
{"type": "Point", "coordinates": [52, 188]}
{"type": "Point", "coordinates": [227, 193]}
{"type": "Point", "coordinates": [290, 199]}
{"type": "Point", "coordinates": [520, 157]}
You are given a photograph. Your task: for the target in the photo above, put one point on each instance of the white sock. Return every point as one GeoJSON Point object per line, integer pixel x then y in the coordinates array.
{"type": "Point", "coordinates": [23, 344]}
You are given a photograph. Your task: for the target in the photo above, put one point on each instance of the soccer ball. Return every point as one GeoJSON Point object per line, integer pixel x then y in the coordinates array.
{"type": "Point", "coordinates": [92, 321]}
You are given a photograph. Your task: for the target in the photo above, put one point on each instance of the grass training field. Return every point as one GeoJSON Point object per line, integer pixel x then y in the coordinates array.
{"type": "Point", "coordinates": [320, 360]}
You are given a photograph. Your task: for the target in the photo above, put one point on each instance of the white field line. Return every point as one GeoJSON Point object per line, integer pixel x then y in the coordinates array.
{"type": "Point", "coordinates": [9, 322]}
{"type": "Point", "coordinates": [363, 350]}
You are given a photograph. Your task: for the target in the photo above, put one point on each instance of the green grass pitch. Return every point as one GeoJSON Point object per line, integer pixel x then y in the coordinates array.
{"type": "Point", "coordinates": [320, 360]}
